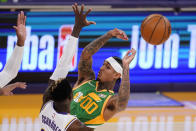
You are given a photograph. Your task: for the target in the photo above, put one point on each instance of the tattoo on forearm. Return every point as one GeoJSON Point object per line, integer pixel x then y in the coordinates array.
{"type": "Point", "coordinates": [94, 46]}
{"type": "Point", "coordinates": [85, 64]}
{"type": "Point", "coordinates": [85, 67]}
{"type": "Point", "coordinates": [124, 91]}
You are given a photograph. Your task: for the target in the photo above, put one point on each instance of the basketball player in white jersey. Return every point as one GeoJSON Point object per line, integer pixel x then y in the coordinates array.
{"type": "Point", "coordinates": [12, 66]}
{"type": "Point", "coordinates": [54, 115]}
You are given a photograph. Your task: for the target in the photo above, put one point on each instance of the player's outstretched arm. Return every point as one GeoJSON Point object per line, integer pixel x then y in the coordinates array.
{"type": "Point", "coordinates": [78, 126]}
{"type": "Point", "coordinates": [63, 65]}
{"type": "Point", "coordinates": [85, 71]}
{"type": "Point", "coordinates": [69, 50]}
{"type": "Point", "coordinates": [7, 90]}
{"type": "Point", "coordinates": [119, 102]}
{"type": "Point", "coordinates": [13, 64]}
{"type": "Point", "coordinates": [124, 91]}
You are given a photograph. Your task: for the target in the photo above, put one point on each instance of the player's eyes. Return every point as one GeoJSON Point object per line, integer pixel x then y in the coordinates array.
{"type": "Point", "coordinates": [108, 67]}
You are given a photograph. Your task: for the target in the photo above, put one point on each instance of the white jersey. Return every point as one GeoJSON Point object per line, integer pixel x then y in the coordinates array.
{"type": "Point", "coordinates": [52, 121]}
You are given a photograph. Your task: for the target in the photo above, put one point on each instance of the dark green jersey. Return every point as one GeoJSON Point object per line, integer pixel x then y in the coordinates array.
{"type": "Point", "coordinates": [88, 104]}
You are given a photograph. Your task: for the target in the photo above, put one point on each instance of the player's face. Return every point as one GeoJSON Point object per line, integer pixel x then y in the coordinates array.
{"type": "Point", "coordinates": [107, 73]}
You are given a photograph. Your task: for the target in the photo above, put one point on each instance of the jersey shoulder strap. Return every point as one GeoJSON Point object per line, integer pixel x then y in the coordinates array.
{"type": "Point", "coordinates": [70, 119]}
{"type": "Point", "coordinates": [83, 84]}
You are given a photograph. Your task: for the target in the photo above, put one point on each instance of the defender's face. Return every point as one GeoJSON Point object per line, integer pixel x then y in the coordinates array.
{"type": "Point", "coordinates": [107, 73]}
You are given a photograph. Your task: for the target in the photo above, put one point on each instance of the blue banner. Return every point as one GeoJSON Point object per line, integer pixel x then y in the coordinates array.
{"type": "Point", "coordinates": [173, 61]}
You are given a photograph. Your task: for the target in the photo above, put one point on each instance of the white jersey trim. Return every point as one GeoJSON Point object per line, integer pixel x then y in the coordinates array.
{"type": "Point", "coordinates": [94, 126]}
{"type": "Point", "coordinates": [68, 125]}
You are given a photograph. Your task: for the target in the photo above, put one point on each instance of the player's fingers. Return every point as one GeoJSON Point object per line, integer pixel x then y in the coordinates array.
{"type": "Point", "coordinates": [92, 22]}
{"type": "Point", "coordinates": [21, 17]}
{"type": "Point", "coordinates": [21, 85]}
{"type": "Point", "coordinates": [89, 10]}
{"type": "Point", "coordinates": [76, 7]}
{"type": "Point", "coordinates": [133, 54]}
{"type": "Point", "coordinates": [128, 52]}
{"type": "Point", "coordinates": [82, 9]}
{"type": "Point", "coordinates": [124, 34]}
{"type": "Point", "coordinates": [133, 51]}
{"type": "Point", "coordinates": [24, 20]}
{"type": "Point", "coordinates": [121, 37]}
{"type": "Point", "coordinates": [15, 27]}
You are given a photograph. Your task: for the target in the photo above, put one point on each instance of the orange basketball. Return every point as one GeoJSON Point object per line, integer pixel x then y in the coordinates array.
{"type": "Point", "coordinates": [155, 29]}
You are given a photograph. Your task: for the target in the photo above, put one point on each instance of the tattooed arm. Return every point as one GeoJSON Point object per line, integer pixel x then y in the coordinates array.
{"type": "Point", "coordinates": [119, 102]}
{"type": "Point", "coordinates": [85, 71]}
{"type": "Point", "coordinates": [124, 91]}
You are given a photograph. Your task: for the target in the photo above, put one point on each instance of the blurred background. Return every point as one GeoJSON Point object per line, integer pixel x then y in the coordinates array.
{"type": "Point", "coordinates": [163, 78]}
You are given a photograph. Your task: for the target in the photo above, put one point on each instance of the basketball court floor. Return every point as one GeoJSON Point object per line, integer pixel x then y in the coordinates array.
{"type": "Point", "coordinates": [20, 113]}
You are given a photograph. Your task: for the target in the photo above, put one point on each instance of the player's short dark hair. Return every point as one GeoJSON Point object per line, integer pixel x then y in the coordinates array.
{"type": "Point", "coordinates": [61, 91]}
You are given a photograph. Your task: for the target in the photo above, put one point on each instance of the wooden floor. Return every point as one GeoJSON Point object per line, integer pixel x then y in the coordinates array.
{"type": "Point", "coordinates": [23, 110]}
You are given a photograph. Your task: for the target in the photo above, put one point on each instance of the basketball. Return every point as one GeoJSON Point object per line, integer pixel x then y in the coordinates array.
{"type": "Point", "coordinates": [155, 29]}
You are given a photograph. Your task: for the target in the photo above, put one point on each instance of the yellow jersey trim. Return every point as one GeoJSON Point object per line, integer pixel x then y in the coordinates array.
{"type": "Point", "coordinates": [104, 105]}
{"type": "Point", "coordinates": [104, 90]}
{"type": "Point", "coordinates": [98, 120]}
{"type": "Point", "coordinates": [94, 96]}
{"type": "Point", "coordinates": [81, 84]}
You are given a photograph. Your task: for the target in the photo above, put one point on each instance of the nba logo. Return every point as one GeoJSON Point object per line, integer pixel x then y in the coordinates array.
{"type": "Point", "coordinates": [63, 37]}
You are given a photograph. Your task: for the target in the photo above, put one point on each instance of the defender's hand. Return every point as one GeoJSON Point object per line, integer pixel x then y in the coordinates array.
{"type": "Point", "coordinates": [7, 90]}
{"type": "Point", "coordinates": [80, 17]}
{"type": "Point", "coordinates": [21, 29]}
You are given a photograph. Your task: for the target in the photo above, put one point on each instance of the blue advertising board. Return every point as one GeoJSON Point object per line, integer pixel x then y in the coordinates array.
{"type": "Point", "coordinates": [47, 32]}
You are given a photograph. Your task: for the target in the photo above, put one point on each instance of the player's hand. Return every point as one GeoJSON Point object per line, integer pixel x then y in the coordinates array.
{"type": "Point", "coordinates": [80, 16]}
{"type": "Point", "coordinates": [128, 58]}
{"type": "Point", "coordinates": [7, 90]}
{"type": "Point", "coordinates": [118, 34]}
{"type": "Point", "coordinates": [21, 29]}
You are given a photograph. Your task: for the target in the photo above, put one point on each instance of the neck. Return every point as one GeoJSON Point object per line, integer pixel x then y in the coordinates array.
{"type": "Point", "coordinates": [106, 85]}
{"type": "Point", "coordinates": [61, 107]}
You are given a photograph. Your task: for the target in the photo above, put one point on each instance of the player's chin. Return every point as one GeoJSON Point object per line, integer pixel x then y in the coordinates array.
{"type": "Point", "coordinates": [98, 78]}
